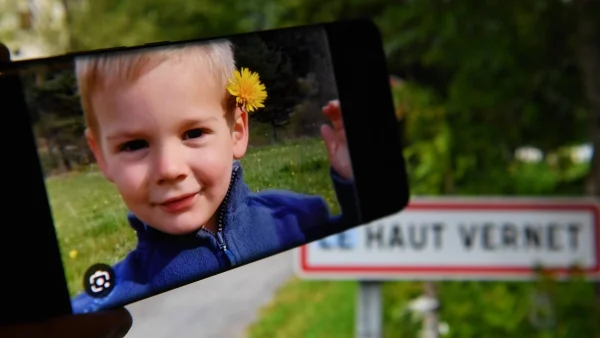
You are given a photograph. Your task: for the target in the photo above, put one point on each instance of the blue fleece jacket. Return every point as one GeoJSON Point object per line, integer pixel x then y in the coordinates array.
{"type": "Point", "coordinates": [252, 226]}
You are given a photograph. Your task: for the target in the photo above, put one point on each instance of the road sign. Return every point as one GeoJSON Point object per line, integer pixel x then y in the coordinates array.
{"type": "Point", "coordinates": [457, 238]}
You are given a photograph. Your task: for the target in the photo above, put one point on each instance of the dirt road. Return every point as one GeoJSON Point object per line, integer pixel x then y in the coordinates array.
{"type": "Point", "coordinates": [218, 307]}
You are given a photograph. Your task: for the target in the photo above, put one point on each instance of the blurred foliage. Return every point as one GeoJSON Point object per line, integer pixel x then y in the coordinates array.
{"type": "Point", "coordinates": [58, 121]}
{"type": "Point", "coordinates": [439, 164]}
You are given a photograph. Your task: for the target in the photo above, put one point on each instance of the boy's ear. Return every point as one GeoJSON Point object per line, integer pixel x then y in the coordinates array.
{"type": "Point", "coordinates": [97, 151]}
{"type": "Point", "coordinates": [239, 133]}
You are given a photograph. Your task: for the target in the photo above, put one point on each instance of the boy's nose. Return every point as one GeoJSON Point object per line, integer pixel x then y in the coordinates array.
{"type": "Point", "coordinates": [170, 166]}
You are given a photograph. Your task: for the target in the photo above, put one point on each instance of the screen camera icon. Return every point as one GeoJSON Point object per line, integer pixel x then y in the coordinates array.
{"type": "Point", "coordinates": [99, 280]}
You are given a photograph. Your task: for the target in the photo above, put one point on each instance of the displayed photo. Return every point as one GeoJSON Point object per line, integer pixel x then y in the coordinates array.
{"type": "Point", "coordinates": [166, 165]}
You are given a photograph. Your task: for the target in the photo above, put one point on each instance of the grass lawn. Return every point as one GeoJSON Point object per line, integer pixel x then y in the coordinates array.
{"type": "Point", "coordinates": [309, 309]}
{"type": "Point", "coordinates": [90, 217]}
{"type": "Point", "coordinates": [327, 309]}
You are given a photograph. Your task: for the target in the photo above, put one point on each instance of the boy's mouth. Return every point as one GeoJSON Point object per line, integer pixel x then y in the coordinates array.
{"type": "Point", "coordinates": [179, 203]}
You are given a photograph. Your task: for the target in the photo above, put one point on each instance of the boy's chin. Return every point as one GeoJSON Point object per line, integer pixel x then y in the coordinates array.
{"type": "Point", "coordinates": [179, 226]}
{"type": "Point", "coordinates": [183, 230]}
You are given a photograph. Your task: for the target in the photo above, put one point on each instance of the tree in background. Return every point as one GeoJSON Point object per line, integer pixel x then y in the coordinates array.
{"type": "Point", "coordinates": [506, 72]}
{"type": "Point", "coordinates": [296, 71]}
{"type": "Point", "coordinates": [275, 69]}
{"type": "Point", "coordinates": [155, 20]}
{"type": "Point", "coordinates": [57, 118]}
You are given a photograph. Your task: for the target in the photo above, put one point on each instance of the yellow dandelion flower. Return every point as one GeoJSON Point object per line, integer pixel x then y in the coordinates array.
{"type": "Point", "coordinates": [73, 254]}
{"type": "Point", "coordinates": [249, 92]}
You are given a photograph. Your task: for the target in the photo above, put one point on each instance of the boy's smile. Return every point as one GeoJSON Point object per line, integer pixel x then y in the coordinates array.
{"type": "Point", "coordinates": [179, 203]}
{"type": "Point", "coordinates": [166, 143]}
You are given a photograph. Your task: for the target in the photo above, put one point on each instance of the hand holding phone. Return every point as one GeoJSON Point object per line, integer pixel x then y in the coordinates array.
{"type": "Point", "coordinates": [109, 324]}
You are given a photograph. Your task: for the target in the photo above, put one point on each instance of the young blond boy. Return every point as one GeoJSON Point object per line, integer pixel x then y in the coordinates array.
{"type": "Point", "coordinates": [166, 132]}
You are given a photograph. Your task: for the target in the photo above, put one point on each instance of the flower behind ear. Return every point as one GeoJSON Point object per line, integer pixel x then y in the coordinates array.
{"type": "Point", "coordinates": [249, 92]}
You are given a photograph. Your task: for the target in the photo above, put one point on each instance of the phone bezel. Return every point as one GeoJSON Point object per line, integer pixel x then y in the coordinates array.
{"type": "Point", "coordinates": [362, 80]}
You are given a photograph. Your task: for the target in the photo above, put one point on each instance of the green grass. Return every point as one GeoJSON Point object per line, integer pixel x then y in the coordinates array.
{"type": "Point", "coordinates": [90, 217]}
{"type": "Point", "coordinates": [327, 309]}
{"type": "Point", "coordinates": [300, 166]}
{"type": "Point", "coordinates": [309, 309]}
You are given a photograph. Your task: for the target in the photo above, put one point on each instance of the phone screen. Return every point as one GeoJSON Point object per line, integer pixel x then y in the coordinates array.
{"type": "Point", "coordinates": [168, 164]}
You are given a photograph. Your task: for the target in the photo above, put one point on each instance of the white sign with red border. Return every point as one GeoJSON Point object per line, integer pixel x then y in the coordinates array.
{"type": "Point", "coordinates": [457, 238]}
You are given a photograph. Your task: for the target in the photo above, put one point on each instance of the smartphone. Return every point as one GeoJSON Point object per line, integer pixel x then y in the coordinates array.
{"type": "Point", "coordinates": [143, 169]}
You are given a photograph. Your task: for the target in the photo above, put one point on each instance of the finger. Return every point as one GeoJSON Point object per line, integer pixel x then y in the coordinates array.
{"type": "Point", "coordinates": [334, 113]}
{"type": "Point", "coordinates": [4, 53]}
{"type": "Point", "coordinates": [110, 324]}
{"type": "Point", "coordinates": [330, 141]}
{"type": "Point", "coordinates": [330, 107]}
{"type": "Point", "coordinates": [120, 320]}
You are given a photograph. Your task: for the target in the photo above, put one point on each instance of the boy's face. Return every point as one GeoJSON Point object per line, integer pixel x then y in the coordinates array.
{"type": "Point", "coordinates": [165, 142]}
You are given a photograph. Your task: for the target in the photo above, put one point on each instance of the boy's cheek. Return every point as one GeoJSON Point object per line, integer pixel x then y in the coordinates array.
{"type": "Point", "coordinates": [105, 165]}
{"type": "Point", "coordinates": [108, 169]}
{"type": "Point", "coordinates": [109, 178]}
{"type": "Point", "coordinates": [125, 178]}
{"type": "Point", "coordinates": [105, 171]}
{"type": "Point", "coordinates": [131, 192]}
{"type": "Point", "coordinates": [122, 175]}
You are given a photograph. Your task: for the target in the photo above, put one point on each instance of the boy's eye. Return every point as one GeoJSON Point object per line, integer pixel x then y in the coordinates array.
{"type": "Point", "coordinates": [193, 133]}
{"type": "Point", "coordinates": [134, 145]}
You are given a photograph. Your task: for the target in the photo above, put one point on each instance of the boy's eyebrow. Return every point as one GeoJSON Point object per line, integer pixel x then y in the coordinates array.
{"type": "Point", "coordinates": [120, 134]}
{"type": "Point", "coordinates": [132, 133]}
{"type": "Point", "coordinates": [195, 121]}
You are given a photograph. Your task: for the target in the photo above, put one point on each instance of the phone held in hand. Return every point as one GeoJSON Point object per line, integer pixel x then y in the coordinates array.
{"type": "Point", "coordinates": [148, 168]}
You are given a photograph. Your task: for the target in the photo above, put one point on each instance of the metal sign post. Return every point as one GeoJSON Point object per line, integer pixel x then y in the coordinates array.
{"type": "Point", "coordinates": [369, 307]}
{"type": "Point", "coordinates": [431, 320]}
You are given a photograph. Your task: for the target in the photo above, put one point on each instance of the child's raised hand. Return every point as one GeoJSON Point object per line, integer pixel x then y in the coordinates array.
{"type": "Point", "coordinates": [335, 140]}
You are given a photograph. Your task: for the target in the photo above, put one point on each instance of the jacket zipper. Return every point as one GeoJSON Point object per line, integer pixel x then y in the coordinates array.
{"type": "Point", "coordinates": [219, 235]}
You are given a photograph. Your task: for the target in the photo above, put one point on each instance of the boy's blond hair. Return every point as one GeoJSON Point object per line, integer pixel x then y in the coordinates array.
{"type": "Point", "coordinates": [100, 71]}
